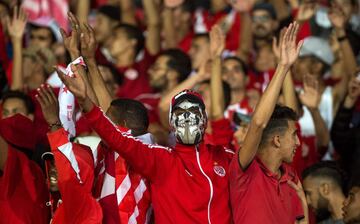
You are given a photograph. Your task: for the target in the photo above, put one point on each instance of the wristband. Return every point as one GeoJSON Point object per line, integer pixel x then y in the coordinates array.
{"type": "Point", "coordinates": [57, 124]}
{"type": "Point", "coordinates": [77, 61]}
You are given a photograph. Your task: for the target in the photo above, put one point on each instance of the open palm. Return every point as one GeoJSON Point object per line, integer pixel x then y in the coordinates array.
{"type": "Point", "coordinates": [310, 97]}
{"type": "Point", "coordinates": [289, 49]}
{"type": "Point", "coordinates": [16, 26]}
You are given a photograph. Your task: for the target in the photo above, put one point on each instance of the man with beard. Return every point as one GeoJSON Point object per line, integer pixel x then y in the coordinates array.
{"type": "Point", "coordinates": [352, 204]}
{"type": "Point", "coordinates": [323, 189]}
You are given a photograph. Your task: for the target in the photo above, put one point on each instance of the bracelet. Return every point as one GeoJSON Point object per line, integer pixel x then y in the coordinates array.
{"type": "Point", "coordinates": [57, 124]}
{"type": "Point", "coordinates": [342, 38]}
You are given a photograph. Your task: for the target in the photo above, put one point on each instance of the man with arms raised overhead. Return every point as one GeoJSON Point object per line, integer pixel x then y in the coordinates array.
{"type": "Point", "coordinates": [263, 187]}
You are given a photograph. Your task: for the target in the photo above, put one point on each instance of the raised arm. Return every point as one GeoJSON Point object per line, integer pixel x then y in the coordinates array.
{"type": "Point", "coordinates": [288, 87]}
{"type": "Point", "coordinates": [127, 12]}
{"type": "Point", "coordinates": [153, 26]}
{"type": "Point", "coordinates": [71, 42]}
{"type": "Point", "coordinates": [289, 52]}
{"type": "Point", "coordinates": [144, 158]}
{"type": "Point", "coordinates": [217, 45]}
{"type": "Point", "coordinates": [337, 18]}
{"type": "Point", "coordinates": [311, 98]}
{"type": "Point", "coordinates": [170, 37]}
{"type": "Point", "coordinates": [245, 46]}
{"type": "Point", "coordinates": [88, 48]}
{"type": "Point", "coordinates": [16, 29]}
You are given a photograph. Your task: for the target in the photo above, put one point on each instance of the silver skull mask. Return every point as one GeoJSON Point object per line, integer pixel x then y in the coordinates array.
{"type": "Point", "coordinates": [189, 122]}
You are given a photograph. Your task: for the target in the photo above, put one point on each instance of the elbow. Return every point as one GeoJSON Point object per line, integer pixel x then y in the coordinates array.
{"type": "Point", "coordinates": [258, 123]}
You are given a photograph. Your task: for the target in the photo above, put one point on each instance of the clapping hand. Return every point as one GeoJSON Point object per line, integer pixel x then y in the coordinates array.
{"type": "Point", "coordinates": [289, 50]}
{"type": "Point", "coordinates": [88, 42]}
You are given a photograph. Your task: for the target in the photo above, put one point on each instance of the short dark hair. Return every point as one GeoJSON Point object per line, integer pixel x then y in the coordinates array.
{"type": "Point", "coordinates": [188, 6]}
{"type": "Point", "coordinates": [226, 90]}
{"type": "Point", "coordinates": [202, 35]}
{"type": "Point", "coordinates": [266, 7]}
{"type": "Point", "coordinates": [36, 27]}
{"type": "Point", "coordinates": [110, 11]}
{"type": "Point", "coordinates": [325, 169]}
{"type": "Point", "coordinates": [133, 32]}
{"type": "Point", "coordinates": [134, 113]}
{"type": "Point", "coordinates": [278, 122]}
{"type": "Point", "coordinates": [11, 94]}
{"type": "Point", "coordinates": [240, 61]}
{"type": "Point", "coordinates": [179, 61]}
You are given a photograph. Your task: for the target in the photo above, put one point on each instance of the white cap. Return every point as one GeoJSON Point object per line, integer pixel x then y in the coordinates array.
{"type": "Point", "coordinates": [318, 47]}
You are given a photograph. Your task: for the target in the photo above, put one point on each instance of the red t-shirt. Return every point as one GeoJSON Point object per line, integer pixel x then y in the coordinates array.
{"type": "Point", "coordinates": [135, 78]}
{"type": "Point", "coordinates": [258, 196]}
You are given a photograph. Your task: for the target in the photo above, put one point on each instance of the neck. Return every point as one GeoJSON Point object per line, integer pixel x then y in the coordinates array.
{"type": "Point", "coordinates": [261, 42]}
{"type": "Point", "coordinates": [217, 5]}
{"type": "Point", "coordinates": [125, 59]}
{"type": "Point", "coordinates": [237, 95]}
{"type": "Point", "coordinates": [270, 160]}
{"type": "Point", "coordinates": [335, 206]}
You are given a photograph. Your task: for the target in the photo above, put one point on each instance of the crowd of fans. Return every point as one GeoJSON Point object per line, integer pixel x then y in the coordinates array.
{"type": "Point", "coordinates": [180, 111]}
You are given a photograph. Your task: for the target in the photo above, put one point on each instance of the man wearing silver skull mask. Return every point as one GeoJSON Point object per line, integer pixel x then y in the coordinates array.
{"type": "Point", "coordinates": [188, 117]}
{"type": "Point", "coordinates": [190, 179]}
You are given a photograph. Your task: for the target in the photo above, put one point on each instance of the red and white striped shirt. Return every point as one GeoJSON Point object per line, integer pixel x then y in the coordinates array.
{"type": "Point", "coordinates": [122, 193]}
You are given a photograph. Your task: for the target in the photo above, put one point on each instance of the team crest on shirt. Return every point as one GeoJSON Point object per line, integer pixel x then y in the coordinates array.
{"type": "Point", "coordinates": [219, 170]}
{"type": "Point", "coordinates": [131, 74]}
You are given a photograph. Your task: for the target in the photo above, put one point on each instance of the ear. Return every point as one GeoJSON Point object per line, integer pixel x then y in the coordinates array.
{"type": "Point", "coordinates": [324, 190]}
{"type": "Point", "coordinates": [276, 141]}
{"type": "Point", "coordinates": [133, 42]}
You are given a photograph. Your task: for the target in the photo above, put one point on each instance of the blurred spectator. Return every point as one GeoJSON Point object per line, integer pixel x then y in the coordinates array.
{"type": "Point", "coordinates": [352, 203]}
{"type": "Point", "coordinates": [323, 186]}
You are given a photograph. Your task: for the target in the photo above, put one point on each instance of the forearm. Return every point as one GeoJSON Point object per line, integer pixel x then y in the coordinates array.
{"type": "Point", "coordinates": [98, 85]}
{"type": "Point", "coordinates": [127, 12]}
{"type": "Point", "coordinates": [281, 9]}
{"type": "Point", "coordinates": [305, 220]}
{"type": "Point", "coordinates": [350, 62]}
{"type": "Point", "coordinates": [269, 99]}
{"type": "Point", "coordinates": [217, 93]}
{"type": "Point", "coordinates": [169, 29]}
{"type": "Point", "coordinates": [82, 11]}
{"type": "Point", "coordinates": [17, 76]}
{"type": "Point", "coordinates": [245, 37]}
{"type": "Point", "coordinates": [288, 91]}
{"type": "Point", "coordinates": [321, 131]}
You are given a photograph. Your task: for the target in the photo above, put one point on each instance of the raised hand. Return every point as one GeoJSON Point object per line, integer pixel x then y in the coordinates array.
{"type": "Point", "coordinates": [289, 50]}
{"type": "Point", "coordinates": [16, 26]}
{"type": "Point", "coordinates": [242, 5]}
{"type": "Point", "coordinates": [217, 41]}
{"type": "Point", "coordinates": [307, 10]}
{"type": "Point", "coordinates": [337, 16]}
{"type": "Point", "coordinates": [310, 97]}
{"type": "Point", "coordinates": [88, 42]}
{"type": "Point", "coordinates": [49, 104]}
{"type": "Point", "coordinates": [71, 40]}
{"type": "Point", "coordinates": [75, 84]}
{"type": "Point", "coordinates": [276, 44]}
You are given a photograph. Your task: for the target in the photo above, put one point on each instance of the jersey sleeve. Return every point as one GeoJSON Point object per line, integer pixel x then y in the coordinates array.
{"type": "Point", "coordinates": [146, 159]}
